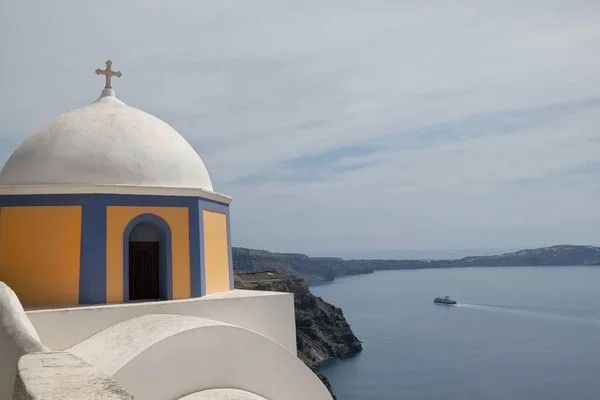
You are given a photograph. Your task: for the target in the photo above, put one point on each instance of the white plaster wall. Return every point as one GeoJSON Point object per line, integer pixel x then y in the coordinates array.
{"type": "Point", "coordinates": [17, 337]}
{"type": "Point", "coordinates": [62, 376]}
{"type": "Point", "coordinates": [159, 357]}
{"type": "Point", "coordinates": [111, 349]}
{"type": "Point", "coordinates": [268, 313]}
{"type": "Point", "coordinates": [223, 394]}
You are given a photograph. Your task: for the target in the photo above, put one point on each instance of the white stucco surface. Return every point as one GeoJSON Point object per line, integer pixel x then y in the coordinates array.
{"type": "Point", "coordinates": [166, 350]}
{"type": "Point", "coordinates": [111, 349]}
{"type": "Point", "coordinates": [223, 394]}
{"type": "Point", "coordinates": [17, 337]}
{"type": "Point", "coordinates": [159, 357]}
{"type": "Point", "coordinates": [268, 313]}
{"type": "Point", "coordinates": [62, 376]}
{"type": "Point", "coordinates": [106, 143]}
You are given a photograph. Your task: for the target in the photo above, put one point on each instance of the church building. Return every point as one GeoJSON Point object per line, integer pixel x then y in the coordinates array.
{"type": "Point", "coordinates": [116, 279]}
{"type": "Point", "coordinates": [109, 204]}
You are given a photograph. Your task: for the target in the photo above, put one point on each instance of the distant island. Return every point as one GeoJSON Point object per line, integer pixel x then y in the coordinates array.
{"type": "Point", "coordinates": [323, 269]}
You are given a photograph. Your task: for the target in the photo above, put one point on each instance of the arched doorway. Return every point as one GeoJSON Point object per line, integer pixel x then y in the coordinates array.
{"type": "Point", "coordinates": [147, 246]}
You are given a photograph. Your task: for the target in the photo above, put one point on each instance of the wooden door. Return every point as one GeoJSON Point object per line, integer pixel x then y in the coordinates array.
{"type": "Point", "coordinates": [143, 270]}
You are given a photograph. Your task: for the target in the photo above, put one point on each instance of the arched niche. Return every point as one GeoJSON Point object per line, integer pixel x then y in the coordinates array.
{"type": "Point", "coordinates": [147, 273]}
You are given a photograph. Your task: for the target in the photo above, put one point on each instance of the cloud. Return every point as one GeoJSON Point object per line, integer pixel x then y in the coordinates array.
{"type": "Point", "coordinates": [345, 125]}
{"type": "Point", "coordinates": [314, 167]}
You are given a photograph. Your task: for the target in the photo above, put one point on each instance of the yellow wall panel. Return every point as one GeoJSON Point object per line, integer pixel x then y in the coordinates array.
{"type": "Point", "coordinates": [117, 219]}
{"type": "Point", "coordinates": [40, 253]}
{"type": "Point", "coordinates": [216, 252]}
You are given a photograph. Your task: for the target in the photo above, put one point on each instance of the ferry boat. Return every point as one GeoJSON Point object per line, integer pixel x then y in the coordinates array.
{"type": "Point", "coordinates": [444, 300]}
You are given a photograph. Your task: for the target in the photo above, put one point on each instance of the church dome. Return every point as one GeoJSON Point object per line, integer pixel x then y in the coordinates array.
{"type": "Point", "coordinates": [106, 143]}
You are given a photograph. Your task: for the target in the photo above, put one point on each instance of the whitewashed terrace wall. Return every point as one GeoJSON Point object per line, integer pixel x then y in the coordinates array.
{"type": "Point", "coordinates": [268, 313]}
{"type": "Point", "coordinates": [17, 337]}
{"type": "Point", "coordinates": [157, 357]}
{"type": "Point", "coordinates": [223, 394]}
{"type": "Point", "coordinates": [62, 376]}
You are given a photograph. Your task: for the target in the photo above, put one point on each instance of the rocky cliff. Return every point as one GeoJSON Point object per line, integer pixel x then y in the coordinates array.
{"type": "Point", "coordinates": [321, 330]}
{"type": "Point", "coordinates": [315, 269]}
{"type": "Point", "coordinates": [322, 333]}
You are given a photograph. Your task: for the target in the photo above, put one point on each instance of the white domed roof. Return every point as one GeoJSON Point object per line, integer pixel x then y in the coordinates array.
{"type": "Point", "coordinates": [106, 143]}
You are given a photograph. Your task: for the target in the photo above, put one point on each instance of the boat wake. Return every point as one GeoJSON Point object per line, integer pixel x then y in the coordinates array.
{"type": "Point", "coordinates": [534, 312]}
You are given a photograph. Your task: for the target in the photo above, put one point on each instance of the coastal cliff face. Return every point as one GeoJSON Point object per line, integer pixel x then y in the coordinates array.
{"type": "Point", "coordinates": [319, 269]}
{"type": "Point", "coordinates": [322, 333]}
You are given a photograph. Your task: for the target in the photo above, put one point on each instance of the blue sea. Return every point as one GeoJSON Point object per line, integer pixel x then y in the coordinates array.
{"type": "Point", "coordinates": [517, 333]}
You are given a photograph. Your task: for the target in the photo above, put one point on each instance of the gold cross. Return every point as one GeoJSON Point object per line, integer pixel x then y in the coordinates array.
{"type": "Point", "coordinates": [108, 73]}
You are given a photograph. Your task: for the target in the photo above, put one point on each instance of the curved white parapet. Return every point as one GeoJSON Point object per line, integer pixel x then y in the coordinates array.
{"type": "Point", "coordinates": [113, 348]}
{"type": "Point", "coordinates": [60, 375]}
{"type": "Point", "coordinates": [268, 313]}
{"type": "Point", "coordinates": [17, 337]}
{"type": "Point", "coordinates": [222, 394]}
{"type": "Point", "coordinates": [171, 356]}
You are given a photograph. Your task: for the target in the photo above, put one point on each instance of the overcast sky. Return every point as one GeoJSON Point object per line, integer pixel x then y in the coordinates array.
{"type": "Point", "coordinates": [344, 127]}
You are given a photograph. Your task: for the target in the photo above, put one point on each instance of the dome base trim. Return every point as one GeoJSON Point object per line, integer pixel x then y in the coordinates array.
{"type": "Point", "coordinates": [114, 189]}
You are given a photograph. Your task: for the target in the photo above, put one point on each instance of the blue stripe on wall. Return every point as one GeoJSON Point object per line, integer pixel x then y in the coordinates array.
{"type": "Point", "coordinates": [201, 248]}
{"type": "Point", "coordinates": [106, 199]}
{"type": "Point", "coordinates": [211, 206]}
{"type": "Point", "coordinates": [196, 240]}
{"type": "Point", "coordinates": [231, 280]}
{"type": "Point", "coordinates": [92, 283]}
{"type": "Point", "coordinates": [92, 270]}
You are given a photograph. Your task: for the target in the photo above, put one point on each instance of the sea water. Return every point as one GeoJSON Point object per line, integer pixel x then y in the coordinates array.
{"type": "Point", "coordinates": [517, 333]}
